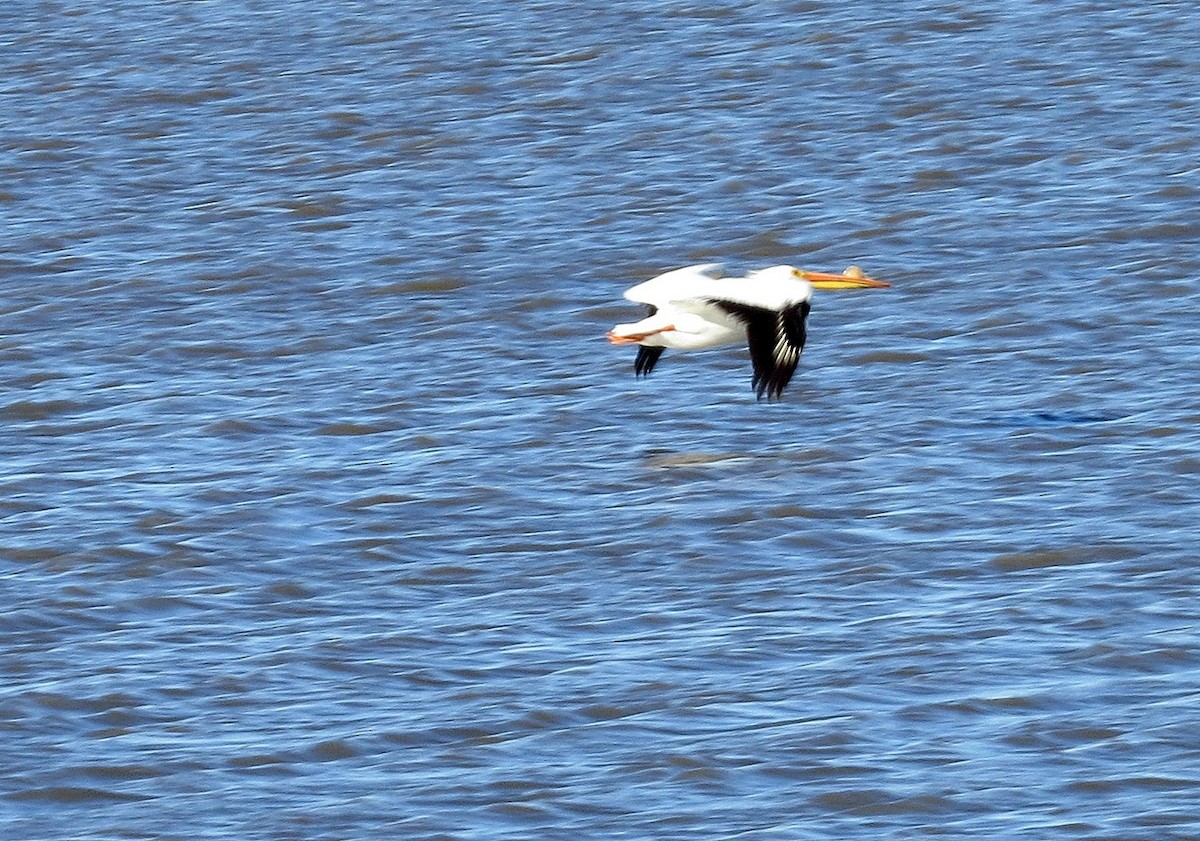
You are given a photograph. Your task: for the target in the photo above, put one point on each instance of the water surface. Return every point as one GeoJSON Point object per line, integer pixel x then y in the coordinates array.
{"type": "Point", "coordinates": [327, 512]}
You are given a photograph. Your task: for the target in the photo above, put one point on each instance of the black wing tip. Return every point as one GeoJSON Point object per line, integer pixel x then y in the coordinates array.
{"type": "Point", "coordinates": [772, 389]}
{"type": "Point", "coordinates": [647, 357]}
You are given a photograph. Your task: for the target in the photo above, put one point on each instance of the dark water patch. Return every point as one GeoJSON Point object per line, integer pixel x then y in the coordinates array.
{"type": "Point", "coordinates": [801, 512]}
{"type": "Point", "coordinates": [21, 554]}
{"type": "Point", "coordinates": [889, 356]}
{"type": "Point", "coordinates": [344, 429]}
{"type": "Point", "coordinates": [1135, 658]}
{"type": "Point", "coordinates": [436, 286]}
{"type": "Point", "coordinates": [119, 773]}
{"type": "Point", "coordinates": [205, 349]}
{"type": "Point", "coordinates": [75, 796]}
{"type": "Point", "coordinates": [444, 574]}
{"type": "Point", "coordinates": [95, 704]}
{"type": "Point", "coordinates": [36, 378]}
{"type": "Point", "coordinates": [323, 227]}
{"type": "Point", "coordinates": [854, 800]}
{"type": "Point", "coordinates": [237, 428]}
{"type": "Point", "coordinates": [1056, 419]}
{"type": "Point", "coordinates": [197, 96]}
{"type": "Point", "coordinates": [1165, 231]}
{"type": "Point", "coordinates": [332, 750]}
{"type": "Point", "coordinates": [157, 606]}
{"type": "Point", "coordinates": [1069, 556]}
{"type": "Point", "coordinates": [523, 813]}
{"type": "Point", "coordinates": [1134, 782]}
{"type": "Point", "coordinates": [280, 763]}
{"type": "Point", "coordinates": [290, 590]}
{"type": "Point", "coordinates": [40, 410]}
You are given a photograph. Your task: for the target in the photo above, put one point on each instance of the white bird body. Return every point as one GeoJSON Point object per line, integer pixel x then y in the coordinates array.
{"type": "Point", "coordinates": [694, 308]}
{"type": "Point", "coordinates": [683, 316]}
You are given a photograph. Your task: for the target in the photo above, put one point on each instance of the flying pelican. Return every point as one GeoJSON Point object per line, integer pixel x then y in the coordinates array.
{"type": "Point", "coordinates": [694, 307]}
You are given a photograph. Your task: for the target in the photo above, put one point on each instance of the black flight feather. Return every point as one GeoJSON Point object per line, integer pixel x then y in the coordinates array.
{"type": "Point", "coordinates": [647, 356]}
{"type": "Point", "coordinates": [776, 339]}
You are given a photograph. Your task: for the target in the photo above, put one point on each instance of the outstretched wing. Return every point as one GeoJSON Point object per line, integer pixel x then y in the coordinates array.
{"type": "Point", "coordinates": [776, 339]}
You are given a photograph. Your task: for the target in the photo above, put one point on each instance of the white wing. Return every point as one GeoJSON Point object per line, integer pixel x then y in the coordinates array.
{"type": "Point", "coordinates": [677, 286]}
{"type": "Point", "coordinates": [691, 287]}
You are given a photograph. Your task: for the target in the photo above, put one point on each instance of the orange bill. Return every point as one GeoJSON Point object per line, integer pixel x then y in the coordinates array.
{"type": "Point", "coordinates": [852, 278]}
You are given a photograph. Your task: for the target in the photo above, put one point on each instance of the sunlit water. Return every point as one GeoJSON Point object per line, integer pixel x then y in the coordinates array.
{"type": "Point", "coordinates": [326, 512]}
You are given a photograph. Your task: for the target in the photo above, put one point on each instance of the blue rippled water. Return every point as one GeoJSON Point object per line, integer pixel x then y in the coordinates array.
{"type": "Point", "coordinates": [327, 512]}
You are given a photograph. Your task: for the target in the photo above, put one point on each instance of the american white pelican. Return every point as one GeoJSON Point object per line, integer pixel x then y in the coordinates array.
{"type": "Point", "coordinates": [694, 307]}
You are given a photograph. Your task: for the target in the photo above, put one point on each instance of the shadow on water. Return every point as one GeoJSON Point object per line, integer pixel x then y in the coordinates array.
{"type": "Point", "coordinates": [665, 460]}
